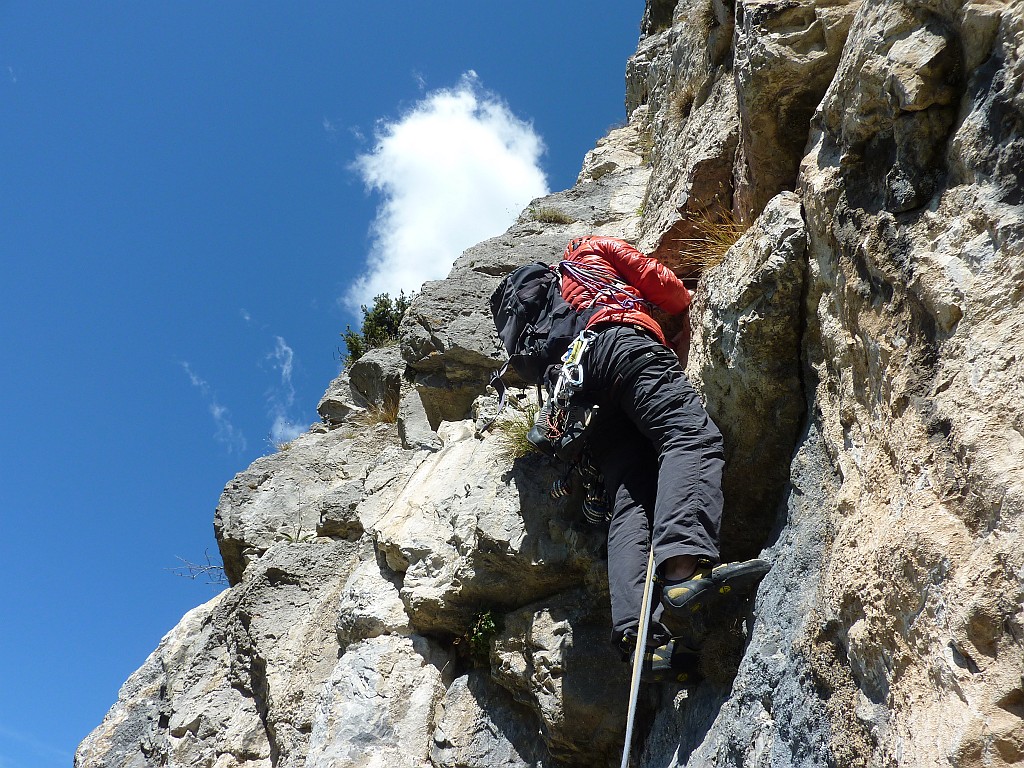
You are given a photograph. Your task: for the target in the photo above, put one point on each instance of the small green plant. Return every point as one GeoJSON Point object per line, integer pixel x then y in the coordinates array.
{"type": "Point", "coordinates": [548, 214]}
{"type": "Point", "coordinates": [379, 327]}
{"type": "Point", "coordinates": [511, 432]}
{"type": "Point", "coordinates": [297, 537]}
{"type": "Point", "coordinates": [482, 630]}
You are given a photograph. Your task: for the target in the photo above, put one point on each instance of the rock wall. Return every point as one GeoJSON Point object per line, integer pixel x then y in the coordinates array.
{"type": "Point", "coordinates": [404, 593]}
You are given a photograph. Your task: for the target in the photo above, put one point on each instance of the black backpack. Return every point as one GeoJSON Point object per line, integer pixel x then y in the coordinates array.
{"type": "Point", "coordinates": [535, 324]}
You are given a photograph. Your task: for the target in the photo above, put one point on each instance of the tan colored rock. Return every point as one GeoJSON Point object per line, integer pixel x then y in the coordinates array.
{"type": "Point", "coordinates": [621, 149]}
{"type": "Point", "coordinates": [786, 55]}
{"type": "Point", "coordinates": [914, 321]}
{"type": "Point", "coordinates": [746, 362]}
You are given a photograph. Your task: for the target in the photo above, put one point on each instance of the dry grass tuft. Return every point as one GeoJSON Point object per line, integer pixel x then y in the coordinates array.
{"type": "Point", "coordinates": [511, 433]}
{"type": "Point", "coordinates": [682, 101]}
{"type": "Point", "coordinates": [385, 412]}
{"type": "Point", "coordinates": [715, 230]}
{"type": "Point", "coordinates": [705, 19]}
{"type": "Point", "coordinates": [548, 214]}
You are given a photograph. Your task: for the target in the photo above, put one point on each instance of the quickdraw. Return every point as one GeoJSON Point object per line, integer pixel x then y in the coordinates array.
{"type": "Point", "coordinates": [570, 378]}
{"type": "Point", "coordinates": [561, 424]}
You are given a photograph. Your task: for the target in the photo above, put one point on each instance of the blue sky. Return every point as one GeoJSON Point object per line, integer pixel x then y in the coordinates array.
{"type": "Point", "coordinates": [189, 193]}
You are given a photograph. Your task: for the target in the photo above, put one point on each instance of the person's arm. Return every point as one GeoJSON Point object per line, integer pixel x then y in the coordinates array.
{"type": "Point", "coordinates": [681, 341]}
{"type": "Point", "coordinates": [655, 282]}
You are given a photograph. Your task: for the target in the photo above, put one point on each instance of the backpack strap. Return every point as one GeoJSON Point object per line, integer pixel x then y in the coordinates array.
{"type": "Point", "coordinates": [502, 389]}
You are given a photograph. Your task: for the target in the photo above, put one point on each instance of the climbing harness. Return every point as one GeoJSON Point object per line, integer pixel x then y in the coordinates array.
{"type": "Point", "coordinates": [562, 422]}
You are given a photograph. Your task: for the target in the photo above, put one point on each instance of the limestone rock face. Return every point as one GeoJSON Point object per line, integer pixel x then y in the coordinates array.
{"type": "Point", "coordinates": [786, 55]}
{"type": "Point", "coordinates": [404, 592]}
{"type": "Point", "coordinates": [747, 364]}
{"type": "Point", "coordinates": [468, 531]}
{"type": "Point", "coordinates": [481, 725]}
{"type": "Point", "coordinates": [555, 658]}
{"type": "Point", "coordinates": [377, 707]}
{"type": "Point", "coordinates": [237, 681]}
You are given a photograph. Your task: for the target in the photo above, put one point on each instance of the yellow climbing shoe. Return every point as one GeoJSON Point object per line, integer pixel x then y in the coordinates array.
{"type": "Point", "coordinates": [708, 584]}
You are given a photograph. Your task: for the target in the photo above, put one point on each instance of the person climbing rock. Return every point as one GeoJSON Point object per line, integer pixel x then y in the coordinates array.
{"type": "Point", "coordinates": [659, 452]}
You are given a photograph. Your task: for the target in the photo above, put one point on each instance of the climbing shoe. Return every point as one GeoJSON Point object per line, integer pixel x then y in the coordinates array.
{"type": "Point", "coordinates": [710, 584]}
{"type": "Point", "coordinates": [670, 663]}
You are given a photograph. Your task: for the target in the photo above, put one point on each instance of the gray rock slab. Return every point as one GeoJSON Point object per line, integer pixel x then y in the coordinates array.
{"type": "Point", "coordinates": [377, 709]}
{"type": "Point", "coordinates": [481, 725]}
{"type": "Point", "coordinates": [235, 683]}
{"type": "Point", "coordinates": [746, 361]}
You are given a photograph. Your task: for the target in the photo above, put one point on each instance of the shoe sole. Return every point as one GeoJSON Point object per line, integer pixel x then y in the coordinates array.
{"type": "Point", "coordinates": [728, 580]}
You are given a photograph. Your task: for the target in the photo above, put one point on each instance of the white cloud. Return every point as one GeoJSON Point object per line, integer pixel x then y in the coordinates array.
{"type": "Point", "coordinates": [281, 399]}
{"type": "Point", "coordinates": [225, 431]}
{"type": "Point", "coordinates": [284, 357]}
{"type": "Point", "coordinates": [456, 169]}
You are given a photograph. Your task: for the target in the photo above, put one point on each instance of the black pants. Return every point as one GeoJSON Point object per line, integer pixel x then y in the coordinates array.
{"type": "Point", "coordinates": [661, 456]}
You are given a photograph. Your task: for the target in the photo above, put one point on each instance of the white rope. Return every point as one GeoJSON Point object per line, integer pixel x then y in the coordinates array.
{"type": "Point", "coordinates": [638, 657]}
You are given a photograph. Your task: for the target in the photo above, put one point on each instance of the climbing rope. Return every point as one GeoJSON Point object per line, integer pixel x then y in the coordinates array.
{"type": "Point", "coordinates": [605, 286]}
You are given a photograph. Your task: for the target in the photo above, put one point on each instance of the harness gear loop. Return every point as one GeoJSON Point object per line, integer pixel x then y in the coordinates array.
{"type": "Point", "coordinates": [570, 377]}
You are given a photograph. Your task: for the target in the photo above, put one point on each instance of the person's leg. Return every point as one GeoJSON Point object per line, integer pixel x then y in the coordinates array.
{"type": "Point", "coordinates": [659, 400]}
{"type": "Point", "coordinates": [628, 466]}
{"type": "Point", "coordinates": [643, 381]}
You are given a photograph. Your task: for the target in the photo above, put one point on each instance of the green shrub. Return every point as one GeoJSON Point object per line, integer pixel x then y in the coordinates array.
{"type": "Point", "coordinates": [484, 628]}
{"type": "Point", "coordinates": [379, 327]}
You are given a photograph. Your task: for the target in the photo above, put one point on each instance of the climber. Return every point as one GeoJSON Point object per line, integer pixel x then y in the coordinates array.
{"type": "Point", "coordinates": [660, 453]}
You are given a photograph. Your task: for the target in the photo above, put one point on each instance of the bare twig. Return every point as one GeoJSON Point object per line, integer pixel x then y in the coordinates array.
{"type": "Point", "coordinates": [212, 572]}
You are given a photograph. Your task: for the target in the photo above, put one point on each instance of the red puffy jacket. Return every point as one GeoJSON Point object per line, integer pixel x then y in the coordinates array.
{"type": "Point", "coordinates": [611, 274]}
